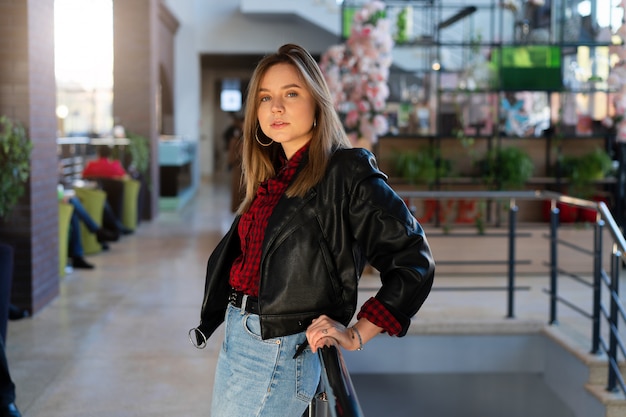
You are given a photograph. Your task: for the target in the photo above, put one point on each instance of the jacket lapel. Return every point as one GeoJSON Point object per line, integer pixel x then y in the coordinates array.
{"type": "Point", "coordinates": [282, 218]}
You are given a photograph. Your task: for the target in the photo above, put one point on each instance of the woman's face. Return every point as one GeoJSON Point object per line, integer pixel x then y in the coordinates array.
{"type": "Point", "coordinates": [286, 109]}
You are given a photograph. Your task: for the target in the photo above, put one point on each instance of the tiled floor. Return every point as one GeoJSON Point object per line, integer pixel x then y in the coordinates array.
{"type": "Point", "coordinates": [114, 343]}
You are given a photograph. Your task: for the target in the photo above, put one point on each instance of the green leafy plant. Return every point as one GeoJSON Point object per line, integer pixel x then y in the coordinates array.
{"type": "Point", "coordinates": [15, 150]}
{"type": "Point", "coordinates": [401, 26]}
{"type": "Point", "coordinates": [140, 153]}
{"type": "Point", "coordinates": [583, 170]}
{"type": "Point", "coordinates": [423, 166]}
{"type": "Point", "coordinates": [506, 168]}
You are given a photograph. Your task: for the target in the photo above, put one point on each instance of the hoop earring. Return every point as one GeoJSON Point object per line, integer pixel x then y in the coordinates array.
{"type": "Point", "coordinates": [256, 136]}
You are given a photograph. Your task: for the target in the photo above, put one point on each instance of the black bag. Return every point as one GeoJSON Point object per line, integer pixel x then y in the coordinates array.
{"type": "Point", "coordinates": [319, 406]}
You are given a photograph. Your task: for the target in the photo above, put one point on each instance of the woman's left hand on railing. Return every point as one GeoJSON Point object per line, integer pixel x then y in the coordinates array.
{"type": "Point", "coordinates": [325, 331]}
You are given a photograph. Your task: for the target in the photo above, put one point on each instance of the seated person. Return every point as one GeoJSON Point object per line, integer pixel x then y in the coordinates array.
{"type": "Point", "coordinates": [107, 168]}
{"type": "Point", "coordinates": [104, 166]}
{"type": "Point", "coordinates": [17, 313]}
{"type": "Point", "coordinates": [112, 222]}
{"type": "Point", "coordinates": [7, 387]}
{"type": "Point", "coordinates": [75, 246]}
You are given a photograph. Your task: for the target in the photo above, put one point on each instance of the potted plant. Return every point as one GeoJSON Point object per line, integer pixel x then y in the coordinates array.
{"type": "Point", "coordinates": [139, 153]}
{"type": "Point", "coordinates": [423, 166]}
{"type": "Point", "coordinates": [505, 168]}
{"type": "Point", "coordinates": [582, 171]}
{"type": "Point", "coordinates": [139, 165]}
{"type": "Point", "coordinates": [15, 150]}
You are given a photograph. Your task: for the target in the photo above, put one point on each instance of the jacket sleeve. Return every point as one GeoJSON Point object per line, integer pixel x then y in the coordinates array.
{"type": "Point", "coordinates": [217, 287]}
{"type": "Point", "coordinates": [391, 239]}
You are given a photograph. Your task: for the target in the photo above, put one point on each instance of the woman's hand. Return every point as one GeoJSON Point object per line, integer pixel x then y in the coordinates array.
{"type": "Point", "coordinates": [325, 331]}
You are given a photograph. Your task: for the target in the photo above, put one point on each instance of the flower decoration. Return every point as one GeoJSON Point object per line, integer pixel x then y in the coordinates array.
{"type": "Point", "coordinates": [357, 72]}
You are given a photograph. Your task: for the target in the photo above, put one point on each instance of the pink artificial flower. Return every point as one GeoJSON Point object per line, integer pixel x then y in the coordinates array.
{"type": "Point", "coordinates": [366, 129]}
{"type": "Point", "coordinates": [383, 90]}
{"type": "Point", "coordinates": [374, 6]}
{"type": "Point", "coordinates": [621, 132]}
{"type": "Point", "coordinates": [379, 105]}
{"type": "Point", "coordinates": [337, 52]}
{"type": "Point", "coordinates": [352, 118]}
{"type": "Point", "coordinates": [357, 72]}
{"type": "Point", "coordinates": [620, 104]}
{"type": "Point", "coordinates": [621, 31]}
{"type": "Point", "coordinates": [361, 16]}
{"type": "Point", "coordinates": [614, 80]}
{"type": "Point", "coordinates": [363, 106]}
{"type": "Point", "coordinates": [381, 125]}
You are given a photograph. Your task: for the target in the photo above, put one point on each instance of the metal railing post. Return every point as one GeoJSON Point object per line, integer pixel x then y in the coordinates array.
{"type": "Point", "coordinates": [554, 225]}
{"type": "Point", "coordinates": [613, 321]}
{"type": "Point", "coordinates": [597, 287]}
{"type": "Point", "coordinates": [513, 209]}
{"type": "Point", "coordinates": [601, 314]}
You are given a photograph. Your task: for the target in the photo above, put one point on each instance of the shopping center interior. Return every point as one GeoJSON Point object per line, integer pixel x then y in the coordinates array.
{"type": "Point", "coordinates": [488, 117]}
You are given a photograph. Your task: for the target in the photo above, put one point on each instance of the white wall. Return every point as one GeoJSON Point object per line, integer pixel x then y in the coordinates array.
{"type": "Point", "coordinates": [186, 72]}
{"type": "Point", "coordinates": [218, 27]}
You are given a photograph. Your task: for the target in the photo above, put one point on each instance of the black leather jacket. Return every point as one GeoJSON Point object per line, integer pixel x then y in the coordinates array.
{"type": "Point", "coordinates": [315, 249]}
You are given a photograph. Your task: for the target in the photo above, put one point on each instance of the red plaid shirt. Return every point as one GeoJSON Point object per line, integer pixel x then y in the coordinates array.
{"type": "Point", "coordinates": [244, 274]}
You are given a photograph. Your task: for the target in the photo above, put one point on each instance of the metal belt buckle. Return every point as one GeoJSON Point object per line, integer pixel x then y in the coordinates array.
{"type": "Point", "coordinates": [244, 301]}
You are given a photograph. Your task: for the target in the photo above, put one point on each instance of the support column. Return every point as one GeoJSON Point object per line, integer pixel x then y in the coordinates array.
{"type": "Point", "coordinates": [136, 81]}
{"type": "Point", "coordinates": [28, 96]}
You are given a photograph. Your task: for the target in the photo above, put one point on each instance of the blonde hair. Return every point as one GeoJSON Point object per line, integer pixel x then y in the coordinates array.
{"type": "Point", "coordinates": [261, 162]}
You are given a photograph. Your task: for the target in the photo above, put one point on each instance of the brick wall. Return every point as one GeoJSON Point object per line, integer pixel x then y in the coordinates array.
{"type": "Point", "coordinates": [28, 95]}
{"type": "Point", "coordinates": [135, 79]}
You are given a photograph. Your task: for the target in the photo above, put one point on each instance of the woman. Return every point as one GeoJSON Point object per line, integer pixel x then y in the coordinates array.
{"type": "Point", "coordinates": [286, 273]}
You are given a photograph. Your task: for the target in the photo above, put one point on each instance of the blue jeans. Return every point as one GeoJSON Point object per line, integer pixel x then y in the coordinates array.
{"type": "Point", "coordinates": [7, 387]}
{"type": "Point", "coordinates": [260, 378]}
{"type": "Point", "coordinates": [79, 214]}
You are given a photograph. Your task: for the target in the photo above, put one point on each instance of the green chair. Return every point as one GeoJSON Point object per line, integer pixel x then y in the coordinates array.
{"type": "Point", "coordinates": [93, 201]}
{"type": "Point", "coordinates": [65, 215]}
{"type": "Point", "coordinates": [129, 208]}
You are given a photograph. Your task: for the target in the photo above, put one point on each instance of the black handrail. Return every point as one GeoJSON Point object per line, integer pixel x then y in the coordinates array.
{"type": "Point", "coordinates": [338, 389]}
{"type": "Point", "coordinates": [337, 384]}
{"type": "Point", "coordinates": [612, 314]}
{"type": "Point", "coordinates": [615, 312]}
